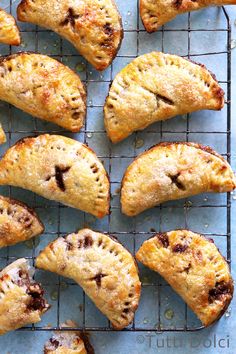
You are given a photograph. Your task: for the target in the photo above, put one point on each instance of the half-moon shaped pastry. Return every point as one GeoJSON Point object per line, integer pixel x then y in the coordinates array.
{"type": "Point", "coordinates": [68, 343]}
{"type": "Point", "coordinates": [44, 88]}
{"type": "Point", "coordinates": [21, 298]}
{"type": "Point", "coordinates": [171, 171]}
{"type": "Point", "coordinates": [194, 268]}
{"type": "Point", "coordinates": [158, 86]}
{"type": "Point", "coordinates": [58, 168]}
{"type": "Point", "coordinates": [93, 26]}
{"type": "Point", "coordinates": [3, 138]}
{"type": "Point", "coordinates": [9, 32]}
{"type": "Point", "coordinates": [104, 269]}
{"type": "Point", "coordinates": [18, 222]}
{"type": "Point", "coordinates": [155, 13]}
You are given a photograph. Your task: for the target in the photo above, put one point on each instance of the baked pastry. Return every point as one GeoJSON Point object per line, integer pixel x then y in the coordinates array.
{"type": "Point", "coordinates": [104, 269]}
{"type": "Point", "coordinates": [155, 13]}
{"type": "Point", "coordinates": [194, 268]}
{"type": "Point", "coordinates": [3, 138]}
{"type": "Point", "coordinates": [164, 86]}
{"type": "Point", "coordinates": [170, 171]}
{"type": "Point", "coordinates": [93, 26]}
{"type": "Point", "coordinates": [68, 343]}
{"type": "Point", "coordinates": [44, 88]}
{"type": "Point", "coordinates": [9, 32]}
{"type": "Point", "coordinates": [58, 168]}
{"type": "Point", "coordinates": [21, 298]}
{"type": "Point", "coordinates": [18, 223]}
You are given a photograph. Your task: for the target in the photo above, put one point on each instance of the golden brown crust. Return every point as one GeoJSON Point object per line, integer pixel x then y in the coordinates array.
{"type": "Point", "coordinates": [155, 13]}
{"type": "Point", "coordinates": [9, 32]}
{"type": "Point", "coordinates": [94, 27]}
{"type": "Point", "coordinates": [21, 298]}
{"type": "Point", "coordinates": [102, 267]}
{"type": "Point", "coordinates": [58, 168]}
{"type": "Point", "coordinates": [3, 138]}
{"type": "Point", "coordinates": [164, 85]}
{"type": "Point", "coordinates": [195, 269]}
{"type": "Point", "coordinates": [67, 343]}
{"type": "Point", "coordinates": [18, 222]}
{"type": "Point", "coordinates": [170, 171]}
{"type": "Point", "coordinates": [44, 88]}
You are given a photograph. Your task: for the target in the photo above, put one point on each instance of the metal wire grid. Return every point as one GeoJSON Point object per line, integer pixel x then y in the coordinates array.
{"type": "Point", "coordinates": [133, 231]}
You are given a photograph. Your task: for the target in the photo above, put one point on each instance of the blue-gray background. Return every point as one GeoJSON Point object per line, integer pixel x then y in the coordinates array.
{"type": "Point", "coordinates": [193, 213]}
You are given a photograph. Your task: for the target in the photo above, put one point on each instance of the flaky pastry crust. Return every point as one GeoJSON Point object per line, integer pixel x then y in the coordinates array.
{"type": "Point", "coordinates": [44, 88]}
{"type": "Point", "coordinates": [18, 222]}
{"type": "Point", "coordinates": [21, 298]}
{"type": "Point", "coordinates": [155, 13]}
{"type": "Point", "coordinates": [58, 168]}
{"type": "Point", "coordinates": [158, 86]}
{"type": "Point", "coordinates": [68, 343]}
{"type": "Point", "coordinates": [93, 26]}
{"type": "Point", "coordinates": [194, 268]}
{"type": "Point", "coordinates": [9, 32]}
{"type": "Point", "coordinates": [102, 267]}
{"type": "Point", "coordinates": [171, 171]}
{"type": "Point", "coordinates": [3, 138]}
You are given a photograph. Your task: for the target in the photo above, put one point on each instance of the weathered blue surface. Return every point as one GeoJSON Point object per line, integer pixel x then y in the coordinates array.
{"type": "Point", "coordinates": [217, 339]}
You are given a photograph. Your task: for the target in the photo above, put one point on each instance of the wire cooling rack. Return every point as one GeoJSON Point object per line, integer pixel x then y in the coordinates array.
{"type": "Point", "coordinates": [204, 37]}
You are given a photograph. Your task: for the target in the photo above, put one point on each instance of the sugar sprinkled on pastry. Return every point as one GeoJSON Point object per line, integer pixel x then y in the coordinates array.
{"type": "Point", "coordinates": [194, 268]}
{"type": "Point", "coordinates": [43, 87]}
{"type": "Point", "coordinates": [155, 87]}
{"type": "Point", "coordinates": [155, 13]}
{"type": "Point", "coordinates": [18, 222]}
{"type": "Point", "coordinates": [9, 32]}
{"type": "Point", "coordinates": [93, 26]}
{"type": "Point", "coordinates": [170, 171]}
{"type": "Point", "coordinates": [104, 269]}
{"type": "Point", "coordinates": [21, 298]}
{"type": "Point", "coordinates": [58, 168]}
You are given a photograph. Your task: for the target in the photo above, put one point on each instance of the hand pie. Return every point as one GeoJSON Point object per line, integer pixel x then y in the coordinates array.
{"type": "Point", "coordinates": [18, 223]}
{"type": "Point", "coordinates": [104, 269]}
{"type": "Point", "coordinates": [171, 171]}
{"type": "Point", "coordinates": [58, 168]}
{"type": "Point", "coordinates": [93, 26]}
{"type": "Point", "coordinates": [194, 268]}
{"type": "Point", "coordinates": [155, 13]}
{"type": "Point", "coordinates": [158, 86]}
{"type": "Point", "coordinates": [9, 32]}
{"type": "Point", "coordinates": [44, 88]}
{"type": "Point", "coordinates": [3, 138]}
{"type": "Point", "coordinates": [21, 298]}
{"type": "Point", "coordinates": [68, 343]}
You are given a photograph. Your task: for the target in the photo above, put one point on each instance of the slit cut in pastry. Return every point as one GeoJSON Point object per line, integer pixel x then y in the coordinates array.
{"type": "Point", "coordinates": [44, 88]}
{"type": "Point", "coordinates": [9, 32]}
{"type": "Point", "coordinates": [104, 269]}
{"type": "Point", "coordinates": [170, 171]}
{"type": "Point", "coordinates": [155, 87]}
{"type": "Point", "coordinates": [21, 298]}
{"type": "Point", "coordinates": [155, 13]}
{"type": "Point", "coordinates": [18, 222]}
{"type": "Point", "coordinates": [3, 138]}
{"type": "Point", "coordinates": [194, 268]}
{"type": "Point", "coordinates": [68, 343]}
{"type": "Point", "coordinates": [93, 26]}
{"type": "Point", "coordinates": [58, 168]}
